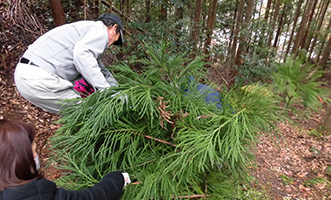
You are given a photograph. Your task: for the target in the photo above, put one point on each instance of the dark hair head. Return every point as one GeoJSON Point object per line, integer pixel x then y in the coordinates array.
{"type": "Point", "coordinates": [17, 164]}
{"type": "Point", "coordinates": [110, 20]}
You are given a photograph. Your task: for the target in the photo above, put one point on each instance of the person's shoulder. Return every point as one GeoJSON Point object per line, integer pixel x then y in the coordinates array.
{"type": "Point", "coordinates": [88, 22]}
{"type": "Point", "coordinates": [44, 183]}
{"type": "Point", "coordinates": [87, 25]}
{"type": "Point", "coordinates": [37, 189]}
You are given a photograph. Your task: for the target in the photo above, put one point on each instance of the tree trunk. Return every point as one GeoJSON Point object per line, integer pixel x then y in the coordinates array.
{"type": "Point", "coordinates": [179, 14]}
{"type": "Point", "coordinates": [287, 20]}
{"type": "Point", "coordinates": [280, 25]}
{"type": "Point", "coordinates": [243, 36]}
{"type": "Point", "coordinates": [196, 22]}
{"type": "Point", "coordinates": [302, 28]}
{"type": "Point", "coordinates": [238, 22]}
{"type": "Point", "coordinates": [320, 22]}
{"type": "Point", "coordinates": [128, 8]}
{"type": "Point", "coordinates": [305, 35]}
{"type": "Point", "coordinates": [93, 9]}
{"type": "Point", "coordinates": [321, 48]}
{"type": "Point", "coordinates": [125, 9]}
{"type": "Point", "coordinates": [326, 53]}
{"type": "Point", "coordinates": [110, 8]}
{"type": "Point", "coordinates": [210, 24]}
{"type": "Point", "coordinates": [57, 12]}
{"type": "Point", "coordinates": [266, 17]}
{"type": "Point", "coordinates": [148, 8]}
{"type": "Point", "coordinates": [325, 126]}
{"type": "Point", "coordinates": [163, 10]}
{"type": "Point", "coordinates": [229, 57]}
{"type": "Point", "coordinates": [273, 22]}
{"type": "Point", "coordinates": [314, 26]}
{"type": "Point", "coordinates": [294, 25]}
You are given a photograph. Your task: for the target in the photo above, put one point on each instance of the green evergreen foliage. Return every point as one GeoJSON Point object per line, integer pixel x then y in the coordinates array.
{"type": "Point", "coordinates": [298, 83]}
{"type": "Point", "coordinates": [159, 129]}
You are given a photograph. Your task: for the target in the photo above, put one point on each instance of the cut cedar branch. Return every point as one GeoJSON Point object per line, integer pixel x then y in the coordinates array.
{"type": "Point", "coordinates": [165, 134]}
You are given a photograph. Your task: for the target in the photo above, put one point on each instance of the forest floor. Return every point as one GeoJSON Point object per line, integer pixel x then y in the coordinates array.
{"type": "Point", "coordinates": [297, 166]}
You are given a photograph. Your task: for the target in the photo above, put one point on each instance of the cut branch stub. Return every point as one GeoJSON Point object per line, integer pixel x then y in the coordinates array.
{"type": "Point", "coordinates": [164, 115]}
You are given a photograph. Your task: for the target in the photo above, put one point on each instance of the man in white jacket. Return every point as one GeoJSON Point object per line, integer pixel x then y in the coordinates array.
{"type": "Point", "coordinates": [47, 71]}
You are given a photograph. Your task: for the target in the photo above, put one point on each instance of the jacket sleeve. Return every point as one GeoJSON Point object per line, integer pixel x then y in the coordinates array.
{"type": "Point", "coordinates": [109, 188]}
{"type": "Point", "coordinates": [107, 74]}
{"type": "Point", "coordinates": [85, 54]}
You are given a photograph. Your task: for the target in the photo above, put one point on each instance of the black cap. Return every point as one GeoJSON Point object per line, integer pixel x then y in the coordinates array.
{"type": "Point", "coordinates": [117, 20]}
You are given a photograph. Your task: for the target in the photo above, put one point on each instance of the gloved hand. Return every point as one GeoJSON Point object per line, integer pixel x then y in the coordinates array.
{"type": "Point", "coordinates": [126, 178]}
{"type": "Point", "coordinates": [83, 88]}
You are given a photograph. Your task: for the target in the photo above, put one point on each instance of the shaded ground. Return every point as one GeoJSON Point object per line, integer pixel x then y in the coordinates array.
{"type": "Point", "coordinates": [295, 167]}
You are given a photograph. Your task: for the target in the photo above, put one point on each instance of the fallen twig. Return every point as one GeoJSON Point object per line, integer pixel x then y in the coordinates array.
{"type": "Point", "coordinates": [156, 139]}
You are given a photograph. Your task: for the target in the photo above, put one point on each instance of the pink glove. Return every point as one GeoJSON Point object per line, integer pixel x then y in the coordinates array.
{"type": "Point", "coordinates": [83, 88]}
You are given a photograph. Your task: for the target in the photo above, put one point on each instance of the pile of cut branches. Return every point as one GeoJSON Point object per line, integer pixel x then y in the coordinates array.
{"type": "Point", "coordinates": [162, 130]}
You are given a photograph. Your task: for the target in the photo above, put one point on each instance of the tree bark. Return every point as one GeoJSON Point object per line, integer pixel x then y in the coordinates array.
{"type": "Point", "coordinates": [326, 53]}
{"type": "Point", "coordinates": [266, 17]}
{"type": "Point", "coordinates": [179, 14]}
{"type": "Point", "coordinates": [243, 36]}
{"type": "Point", "coordinates": [238, 22]}
{"type": "Point", "coordinates": [210, 24]}
{"type": "Point", "coordinates": [287, 20]}
{"type": "Point", "coordinates": [320, 19]}
{"type": "Point", "coordinates": [325, 126]}
{"type": "Point", "coordinates": [196, 22]}
{"type": "Point", "coordinates": [229, 57]}
{"type": "Point", "coordinates": [148, 8]}
{"type": "Point", "coordinates": [110, 8]}
{"type": "Point", "coordinates": [294, 25]}
{"type": "Point", "coordinates": [273, 21]}
{"type": "Point", "coordinates": [57, 12]}
{"type": "Point", "coordinates": [280, 25]}
{"type": "Point", "coordinates": [163, 10]}
{"type": "Point", "coordinates": [321, 47]}
{"type": "Point", "coordinates": [302, 28]}
{"type": "Point", "coordinates": [308, 29]}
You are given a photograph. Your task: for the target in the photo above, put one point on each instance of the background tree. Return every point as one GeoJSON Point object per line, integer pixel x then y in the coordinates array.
{"type": "Point", "coordinates": [303, 27]}
{"type": "Point", "coordinates": [148, 8]}
{"type": "Point", "coordinates": [325, 126]}
{"type": "Point", "coordinates": [57, 12]}
{"type": "Point", "coordinates": [196, 23]}
{"type": "Point", "coordinates": [319, 20]}
{"type": "Point", "coordinates": [210, 24]}
{"type": "Point", "coordinates": [239, 18]}
{"type": "Point", "coordinates": [296, 17]}
{"type": "Point", "coordinates": [163, 9]}
{"type": "Point", "coordinates": [243, 38]}
{"type": "Point", "coordinates": [326, 53]}
{"type": "Point", "coordinates": [273, 20]}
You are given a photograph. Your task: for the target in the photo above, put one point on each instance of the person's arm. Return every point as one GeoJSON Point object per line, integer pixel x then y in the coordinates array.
{"type": "Point", "coordinates": [86, 51]}
{"type": "Point", "coordinates": [107, 74]}
{"type": "Point", "coordinates": [109, 188]}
